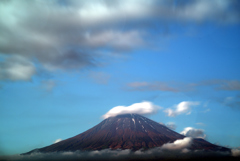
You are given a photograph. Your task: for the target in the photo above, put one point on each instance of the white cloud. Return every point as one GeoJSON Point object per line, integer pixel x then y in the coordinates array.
{"type": "Point", "coordinates": [58, 140]}
{"type": "Point", "coordinates": [236, 152]}
{"type": "Point", "coordinates": [16, 68]}
{"type": "Point", "coordinates": [69, 36]}
{"type": "Point", "coordinates": [95, 12]}
{"type": "Point", "coordinates": [194, 133]}
{"type": "Point", "coordinates": [74, 35]}
{"type": "Point", "coordinates": [182, 108]}
{"type": "Point", "coordinates": [138, 108]}
{"type": "Point", "coordinates": [202, 10]}
{"type": "Point", "coordinates": [178, 144]}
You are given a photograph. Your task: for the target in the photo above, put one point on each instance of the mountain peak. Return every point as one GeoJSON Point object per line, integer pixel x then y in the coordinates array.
{"type": "Point", "coordinates": [127, 115]}
{"type": "Point", "coordinates": [125, 131]}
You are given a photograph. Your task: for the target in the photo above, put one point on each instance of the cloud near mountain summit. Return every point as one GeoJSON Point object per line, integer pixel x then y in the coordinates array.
{"type": "Point", "coordinates": [142, 108]}
{"type": "Point", "coordinates": [145, 108]}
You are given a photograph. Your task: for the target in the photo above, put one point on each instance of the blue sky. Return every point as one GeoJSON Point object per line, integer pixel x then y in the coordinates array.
{"type": "Point", "coordinates": [64, 64]}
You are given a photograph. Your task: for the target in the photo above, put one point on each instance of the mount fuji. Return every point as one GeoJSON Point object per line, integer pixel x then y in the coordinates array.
{"type": "Point", "coordinates": [127, 131]}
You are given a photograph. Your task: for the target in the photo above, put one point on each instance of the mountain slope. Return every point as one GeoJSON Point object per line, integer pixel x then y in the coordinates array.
{"type": "Point", "coordinates": [129, 131]}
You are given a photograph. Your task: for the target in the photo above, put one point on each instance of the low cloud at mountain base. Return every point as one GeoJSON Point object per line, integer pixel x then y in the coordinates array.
{"type": "Point", "coordinates": [158, 153]}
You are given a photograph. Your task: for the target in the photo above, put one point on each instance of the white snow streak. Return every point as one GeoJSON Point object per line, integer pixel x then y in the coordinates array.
{"type": "Point", "coordinates": [133, 120]}
{"type": "Point", "coordinates": [152, 126]}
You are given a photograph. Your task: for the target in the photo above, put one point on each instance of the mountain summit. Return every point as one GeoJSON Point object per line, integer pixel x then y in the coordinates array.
{"type": "Point", "coordinates": [128, 131]}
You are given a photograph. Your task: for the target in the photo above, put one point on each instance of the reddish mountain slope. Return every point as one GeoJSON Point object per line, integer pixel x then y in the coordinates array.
{"type": "Point", "coordinates": [129, 131]}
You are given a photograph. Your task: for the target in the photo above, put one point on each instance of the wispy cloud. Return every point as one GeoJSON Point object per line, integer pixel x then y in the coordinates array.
{"type": "Point", "coordinates": [142, 108]}
{"type": "Point", "coordinates": [170, 125]}
{"type": "Point", "coordinates": [200, 124]}
{"type": "Point", "coordinates": [181, 108]}
{"type": "Point", "coordinates": [207, 110]}
{"type": "Point", "coordinates": [232, 101]}
{"type": "Point", "coordinates": [219, 84]}
{"type": "Point", "coordinates": [48, 85]}
{"type": "Point", "coordinates": [153, 86]}
{"type": "Point", "coordinates": [99, 77]}
{"type": "Point", "coordinates": [232, 85]}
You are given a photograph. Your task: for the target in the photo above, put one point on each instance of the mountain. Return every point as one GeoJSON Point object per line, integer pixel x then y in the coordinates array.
{"type": "Point", "coordinates": [128, 131]}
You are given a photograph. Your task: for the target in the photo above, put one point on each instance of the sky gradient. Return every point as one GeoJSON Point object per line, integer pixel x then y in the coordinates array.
{"type": "Point", "coordinates": [65, 64]}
